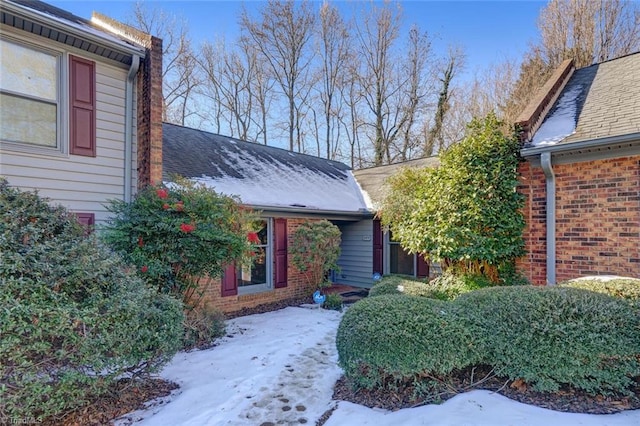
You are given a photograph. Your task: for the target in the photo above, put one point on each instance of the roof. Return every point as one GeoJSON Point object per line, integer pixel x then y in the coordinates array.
{"type": "Point", "coordinates": [373, 179]}
{"type": "Point", "coordinates": [598, 102]}
{"type": "Point", "coordinates": [261, 176]}
{"type": "Point", "coordinates": [47, 21]}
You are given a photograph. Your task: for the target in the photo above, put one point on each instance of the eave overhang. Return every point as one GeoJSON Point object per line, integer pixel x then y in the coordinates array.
{"type": "Point", "coordinates": [68, 33]}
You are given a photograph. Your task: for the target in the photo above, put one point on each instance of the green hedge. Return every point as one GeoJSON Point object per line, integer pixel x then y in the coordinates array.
{"type": "Point", "coordinates": [446, 287]}
{"type": "Point", "coordinates": [625, 288]}
{"type": "Point", "coordinates": [397, 337]}
{"type": "Point", "coordinates": [549, 336]}
{"type": "Point", "coordinates": [546, 336]}
{"type": "Point", "coordinates": [73, 317]}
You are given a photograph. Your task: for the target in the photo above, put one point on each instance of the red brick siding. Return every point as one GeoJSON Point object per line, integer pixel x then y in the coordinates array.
{"type": "Point", "coordinates": [297, 285]}
{"type": "Point", "coordinates": [597, 219]}
{"type": "Point", "coordinates": [150, 104]}
{"type": "Point", "coordinates": [532, 186]}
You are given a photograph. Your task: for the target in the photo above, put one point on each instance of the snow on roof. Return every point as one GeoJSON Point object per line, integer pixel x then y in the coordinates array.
{"type": "Point", "coordinates": [561, 121]}
{"type": "Point", "coordinates": [280, 185]}
{"type": "Point", "coordinates": [260, 175]}
{"type": "Point", "coordinates": [68, 19]}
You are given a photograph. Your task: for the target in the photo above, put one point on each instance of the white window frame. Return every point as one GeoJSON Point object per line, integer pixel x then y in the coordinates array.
{"type": "Point", "coordinates": [61, 148]}
{"type": "Point", "coordinates": [269, 247]}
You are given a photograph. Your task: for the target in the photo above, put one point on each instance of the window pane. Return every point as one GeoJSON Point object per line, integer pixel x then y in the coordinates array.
{"type": "Point", "coordinates": [263, 234]}
{"type": "Point", "coordinates": [28, 71]}
{"type": "Point", "coordinates": [25, 120]}
{"type": "Point", "coordinates": [400, 262]}
{"type": "Point", "coordinates": [257, 272]}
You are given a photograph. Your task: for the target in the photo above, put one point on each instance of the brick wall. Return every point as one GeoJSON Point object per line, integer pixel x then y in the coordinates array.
{"type": "Point", "coordinates": [297, 286]}
{"type": "Point", "coordinates": [150, 103]}
{"type": "Point", "coordinates": [532, 185]}
{"type": "Point", "coordinates": [597, 219]}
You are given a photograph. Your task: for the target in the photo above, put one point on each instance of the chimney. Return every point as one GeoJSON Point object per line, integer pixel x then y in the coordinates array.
{"type": "Point", "coordinates": [533, 115]}
{"type": "Point", "coordinates": [150, 100]}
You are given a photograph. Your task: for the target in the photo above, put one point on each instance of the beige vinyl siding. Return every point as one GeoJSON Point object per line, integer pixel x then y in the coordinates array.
{"type": "Point", "coordinates": [82, 184]}
{"type": "Point", "coordinates": [356, 256]}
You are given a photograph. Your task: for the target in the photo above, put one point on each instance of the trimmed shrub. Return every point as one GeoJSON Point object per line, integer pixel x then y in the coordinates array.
{"type": "Point", "coordinates": [392, 338]}
{"type": "Point", "coordinates": [625, 288]}
{"type": "Point", "coordinates": [399, 284]}
{"type": "Point", "coordinates": [72, 318]}
{"type": "Point", "coordinates": [445, 287]}
{"type": "Point", "coordinates": [545, 336]}
{"type": "Point", "coordinates": [550, 336]}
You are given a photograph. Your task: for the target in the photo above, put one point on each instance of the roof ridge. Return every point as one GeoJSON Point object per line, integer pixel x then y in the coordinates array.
{"type": "Point", "coordinates": [269, 147]}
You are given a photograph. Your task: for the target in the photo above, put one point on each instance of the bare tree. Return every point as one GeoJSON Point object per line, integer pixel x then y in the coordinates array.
{"type": "Point", "coordinates": [334, 53]}
{"type": "Point", "coordinates": [179, 77]}
{"type": "Point", "coordinates": [376, 36]}
{"type": "Point", "coordinates": [436, 134]}
{"type": "Point", "coordinates": [415, 89]}
{"type": "Point", "coordinates": [227, 77]}
{"type": "Point", "coordinates": [282, 37]}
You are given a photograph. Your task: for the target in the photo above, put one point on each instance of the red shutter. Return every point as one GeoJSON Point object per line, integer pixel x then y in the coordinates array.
{"type": "Point", "coordinates": [82, 103]}
{"type": "Point", "coordinates": [229, 285]}
{"type": "Point", "coordinates": [88, 220]}
{"type": "Point", "coordinates": [280, 251]}
{"type": "Point", "coordinates": [422, 267]}
{"type": "Point", "coordinates": [378, 243]}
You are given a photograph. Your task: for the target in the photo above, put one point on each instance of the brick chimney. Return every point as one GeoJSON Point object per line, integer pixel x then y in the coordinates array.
{"type": "Point", "coordinates": [150, 100]}
{"type": "Point", "coordinates": [533, 115]}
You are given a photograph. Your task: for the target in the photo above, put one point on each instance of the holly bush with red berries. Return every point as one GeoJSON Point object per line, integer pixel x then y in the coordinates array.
{"type": "Point", "coordinates": [178, 235]}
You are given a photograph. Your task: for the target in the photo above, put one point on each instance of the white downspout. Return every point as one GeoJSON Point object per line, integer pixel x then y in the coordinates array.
{"type": "Point", "coordinates": [128, 126]}
{"type": "Point", "coordinates": [545, 162]}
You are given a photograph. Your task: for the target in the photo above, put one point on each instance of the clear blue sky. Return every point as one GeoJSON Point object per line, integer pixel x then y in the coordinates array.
{"type": "Point", "coordinates": [490, 31]}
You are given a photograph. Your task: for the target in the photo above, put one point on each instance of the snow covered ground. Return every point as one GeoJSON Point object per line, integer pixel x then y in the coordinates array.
{"type": "Point", "coordinates": [280, 367]}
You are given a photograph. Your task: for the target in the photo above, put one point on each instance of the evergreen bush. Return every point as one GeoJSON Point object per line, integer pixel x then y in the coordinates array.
{"type": "Point", "coordinates": [388, 339]}
{"type": "Point", "coordinates": [625, 288]}
{"type": "Point", "coordinates": [315, 249]}
{"type": "Point", "coordinates": [465, 214]}
{"type": "Point", "coordinates": [73, 317]}
{"type": "Point", "coordinates": [551, 336]}
{"type": "Point", "coordinates": [546, 336]}
{"type": "Point", "coordinates": [181, 237]}
{"type": "Point", "coordinates": [445, 287]}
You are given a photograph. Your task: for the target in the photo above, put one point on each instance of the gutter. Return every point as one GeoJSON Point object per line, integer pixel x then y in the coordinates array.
{"type": "Point", "coordinates": [577, 146]}
{"type": "Point", "coordinates": [545, 162]}
{"type": "Point", "coordinates": [306, 212]}
{"type": "Point", "coordinates": [69, 27]}
{"type": "Point", "coordinates": [128, 126]}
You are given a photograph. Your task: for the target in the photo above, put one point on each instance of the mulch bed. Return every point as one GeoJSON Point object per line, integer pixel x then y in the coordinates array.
{"type": "Point", "coordinates": [566, 399]}
{"type": "Point", "coordinates": [123, 397]}
{"type": "Point", "coordinates": [269, 307]}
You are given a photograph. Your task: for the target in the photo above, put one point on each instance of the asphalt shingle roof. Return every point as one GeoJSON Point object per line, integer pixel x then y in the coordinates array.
{"type": "Point", "coordinates": [604, 100]}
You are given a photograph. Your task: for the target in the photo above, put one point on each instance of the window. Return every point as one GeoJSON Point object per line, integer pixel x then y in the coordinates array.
{"type": "Point", "coordinates": [257, 276]}
{"type": "Point", "coordinates": [400, 262]}
{"type": "Point", "coordinates": [29, 95]}
{"type": "Point", "coordinates": [31, 100]}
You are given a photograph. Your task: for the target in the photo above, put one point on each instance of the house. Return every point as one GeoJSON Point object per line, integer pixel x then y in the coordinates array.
{"type": "Point", "coordinates": [389, 257]}
{"type": "Point", "coordinates": [80, 106]}
{"type": "Point", "coordinates": [581, 174]}
{"type": "Point", "coordinates": [287, 189]}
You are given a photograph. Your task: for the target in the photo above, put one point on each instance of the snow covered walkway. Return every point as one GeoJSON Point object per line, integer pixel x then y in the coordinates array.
{"type": "Point", "coordinates": [279, 368]}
